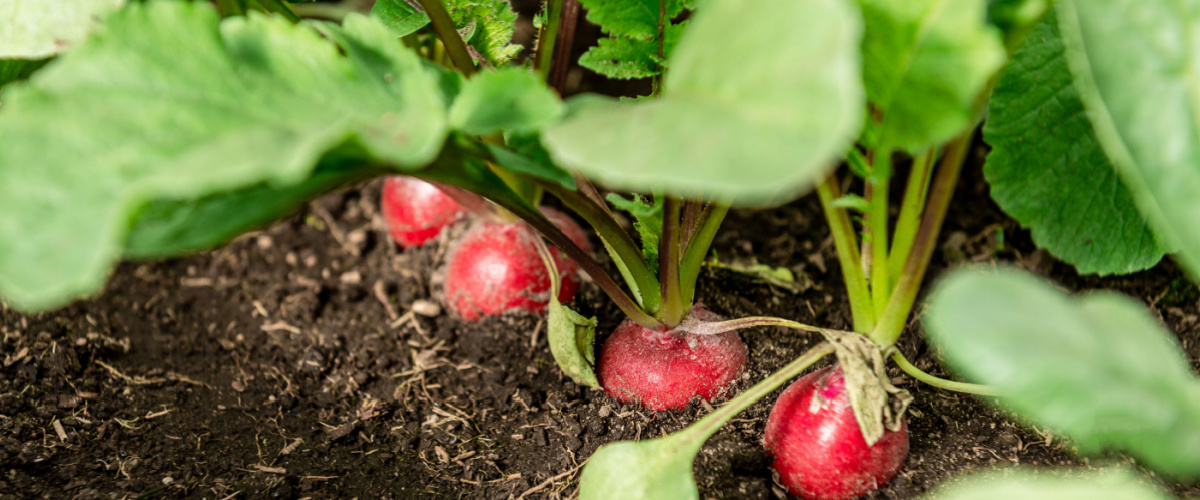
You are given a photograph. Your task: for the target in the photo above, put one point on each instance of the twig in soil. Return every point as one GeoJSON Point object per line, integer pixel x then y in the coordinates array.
{"type": "Point", "coordinates": [264, 468]}
{"type": "Point", "coordinates": [279, 325]}
{"type": "Point", "coordinates": [139, 380]}
{"type": "Point", "coordinates": [551, 481]}
{"type": "Point", "coordinates": [158, 414]}
{"type": "Point", "coordinates": [58, 429]}
{"type": "Point", "coordinates": [334, 229]}
{"type": "Point", "coordinates": [381, 295]}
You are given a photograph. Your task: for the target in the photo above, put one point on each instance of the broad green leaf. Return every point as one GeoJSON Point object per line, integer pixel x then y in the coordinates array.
{"type": "Point", "coordinates": [506, 100]}
{"type": "Point", "coordinates": [756, 118]}
{"type": "Point", "coordinates": [1050, 484]}
{"type": "Point", "coordinates": [166, 228]}
{"type": "Point", "coordinates": [33, 29]}
{"type": "Point", "coordinates": [570, 335]}
{"type": "Point", "coordinates": [635, 29]}
{"type": "Point", "coordinates": [645, 470]}
{"type": "Point", "coordinates": [400, 16]}
{"type": "Point", "coordinates": [490, 24]}
{"type": "Point", "coordinates": [12, 70]}
{"type": "Point", "coordinates": [1016, 18]}
{"type": "Point", "coordinates": [1047, 170]}
{"type": "Point", "coordinates": [925, 63]}
{"type": "Point", "coordinates": [166, 104]}
{"type": "Point", "coordinates": [1135, 68]}
{"type": "Point", "coordinates": [1097, 368]}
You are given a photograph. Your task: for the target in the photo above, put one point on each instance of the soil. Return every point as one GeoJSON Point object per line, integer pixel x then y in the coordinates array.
{"type": "Point", "coordinates": [305, 361]}
{"type": "Point", "coordinates": [289, 364]}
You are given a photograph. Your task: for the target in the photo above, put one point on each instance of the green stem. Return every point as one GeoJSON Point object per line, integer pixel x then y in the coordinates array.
{"type": "Point", "coordinates": [941, 383]}
{"type": "Point", "coordinates": [280, 7]}
{"type": "Point", "coordinates": [543, 56]}
{"type": "Point", "coordinates": [705, 427]}
{"type": "Point", "coordinates": [844, 239]}
{"type": "Point", "coordinates": [910, 211]}
{"type": "Point", "coordinates": [877, 222]}
{"type": "Point", "coordinates": [672, 310]}
{"type": "Point", "coordinates": [697, 248]}
{"type": "Point", "coordinates": [895, 316]}
{"type": "Point", "coordinates": [443, 25]}
{"type": "Point", "coordinates": [622, 244]}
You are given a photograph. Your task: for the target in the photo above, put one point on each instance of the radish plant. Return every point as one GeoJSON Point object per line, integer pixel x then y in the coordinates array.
{"type": "Point", "coordinates": [166, 127]}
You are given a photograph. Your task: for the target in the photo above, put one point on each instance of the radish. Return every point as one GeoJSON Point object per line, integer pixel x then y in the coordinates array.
{"type": "Point", "coordinates": [416, 211]}
{"type": "Point", "coordinates": [820, 453]}
{"type": "Point", "coordinates": [664, 369]}
{"type": "Point", "coordinates": [495, 268]}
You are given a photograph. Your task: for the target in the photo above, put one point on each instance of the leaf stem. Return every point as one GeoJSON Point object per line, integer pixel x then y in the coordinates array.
{"type": "Point", "coordinates": [911, 209]}
{"type": "Point", "coordinates": [625, 250]}
{"type": "Point", "coordinates": [848, 258]}
{"type": "Point", "coordinates": [705, 427]}
{"type": "Point", "coordinates": [697, 248]}
{"type": "Point", "coordinates": [895, 316]}
{"type": "Point", "coordinates": [941, 383]}
{"type": "Point", "coordinates": [672, 310]}
{"type": "Point", "coordinates": [557, 36]}
{"type": "Point", "coordinates": [443, 25]}
{"type": "Point", "coordinates": [877, 224]}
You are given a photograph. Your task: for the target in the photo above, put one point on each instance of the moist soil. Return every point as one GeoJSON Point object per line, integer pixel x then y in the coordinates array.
{"type": "Point", "coordinates": [303, 361]}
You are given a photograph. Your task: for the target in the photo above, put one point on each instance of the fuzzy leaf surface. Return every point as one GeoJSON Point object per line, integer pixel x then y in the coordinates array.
{"type": "Point", "coordinates": [167, 103]}
{"type": "Point", "coordinates": [642, 470]}
{"type": "Point", "coordinates": [924, 64]}
{"type": "Point", "coordinates": [42, 28]}
{"type": "Point", "coordinates": [1064, 484]}
{"type": "Point", "coordinates": [489, 24]}
{"type": "Point", "coordinates": [641, 37]}
{"type": "Point", "coordinates": [1135, 65]}
{"type": "Point", "coordinates": [1097, 368]}
{"type": "Point", "coordinates": [401, 17]}
{"type": "Point", "coordinates": [570, 336]}
{"type": "Point", "coordinates": [505, 100]}
{"type": "Point", "coordinates": [756, 118]}
{"type": "Point", "coordinates": [1048, 171]}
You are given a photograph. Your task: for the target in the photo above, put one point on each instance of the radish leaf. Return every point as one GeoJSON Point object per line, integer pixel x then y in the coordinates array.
{"type": "Point", "coordinates": [506, 100]}
{"type": "Point", "coordinates": [1054, 484]}
{"type": "Point", "coordinates": [400, 16]}
{"type": "Point", "coordinates": [757, 118]}
{"type": "Point", "coordinates": [166, 103]}
{"type": "Point", "coordinates": [1047, 170]}
{"type": "Point", "coordinates": [1135, 67]}
{"type": "Point", "coordinates": [33, 30]}
{"type": "Point", "coordinates": [924, 64]}
{"type": "Point", "coordinates": [1097, 368]}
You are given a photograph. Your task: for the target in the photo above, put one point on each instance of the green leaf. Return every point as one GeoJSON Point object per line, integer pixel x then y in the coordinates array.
{"type": "Point", "coordinates": [166, 228]}
{"type": "Point", "coordinates": [165, 104]}
{"type": "Point", "coordinates": [1016, 17]}
{"type": "Point", "coordinates": [1052, 484]}
{"type": "Point", "coordinates": [400, 16]}
{"type": "Point", "coordinates": [647, 220]}
{"type": "Point", "coordinates": [535, 165]}
{"type": "Point", "coordinates": [12, 70]}
{"type": "Point", "coordinates": [622, 58]}
{"type": "Point", "coordinates": [757, 119]}
{"type": "Point", "coordinates": [37, 29]}
{"type": "Point", "coordinates": [925, 62]}
{"type": "Point", "coordinates": [1135, 71]}
{"type": "Point", "coordinates": [1047, 170]}
{"type": "Point", "coordinates": [635, 29]}
{"type": "Point", "coordinates": [644, 470]}
{"type": "Point", "coordinates": [570, 335]}
{"type": "Point", "coordinates": [491, 22]}
{"type": "Point", "coordinates": [1097, 368]}
{"type": "Point", "coordinates": [506, 100]}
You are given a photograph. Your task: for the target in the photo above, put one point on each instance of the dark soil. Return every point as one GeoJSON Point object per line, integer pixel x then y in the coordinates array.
{"type": "Point", "coordinates": [288, 365]}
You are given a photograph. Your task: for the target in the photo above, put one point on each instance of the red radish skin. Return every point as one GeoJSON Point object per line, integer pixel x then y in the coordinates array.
{"type": "Point", "coordinates": [820, 453]}
{"type": "Point", "coordinates": [664, 370]}
{"type": "Point", "coordinates": [495, 268]}
{"type": "Point", "coordinates": [416, 211]}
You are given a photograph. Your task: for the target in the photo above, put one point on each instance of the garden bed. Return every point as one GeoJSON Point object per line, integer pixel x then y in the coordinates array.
{"type": "Point", "coordinates": [287, 365]}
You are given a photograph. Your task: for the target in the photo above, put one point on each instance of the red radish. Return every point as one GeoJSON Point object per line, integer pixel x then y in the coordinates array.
{"type": "Point", "coordinates": [664, 370]}
{"type": "Point", "coordinates": [820, 453]}
{"type": "Point", "coordinates": [416, 211]}
{"type": "Point", "coordinates": [496, 268]}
